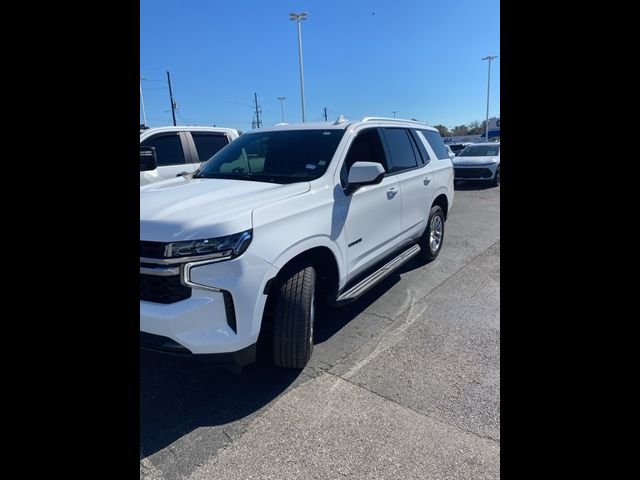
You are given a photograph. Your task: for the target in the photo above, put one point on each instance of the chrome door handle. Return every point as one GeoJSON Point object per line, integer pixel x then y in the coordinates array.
{"type": "Point", "coordinates": [393, 189]}
{"type": "Point", "coordinates": [426, 180]}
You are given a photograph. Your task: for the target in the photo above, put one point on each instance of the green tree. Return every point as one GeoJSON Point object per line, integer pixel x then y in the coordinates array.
{"type": "Point", "coordinates": [461, 130]}
{"type": "Point", "coordinates": [444, 132]}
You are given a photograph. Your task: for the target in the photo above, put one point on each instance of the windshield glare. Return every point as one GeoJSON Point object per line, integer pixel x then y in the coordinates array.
{"type": "Point", "coordinates": [279, 157]}
{"type": "Point", "coordinates": [480, 151]}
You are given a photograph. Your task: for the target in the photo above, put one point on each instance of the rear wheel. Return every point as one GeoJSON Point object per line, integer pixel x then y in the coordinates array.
{"type": "Point", "coordinates": [433, 236]}
{"type": "Point", "coordinates": [294, 316]}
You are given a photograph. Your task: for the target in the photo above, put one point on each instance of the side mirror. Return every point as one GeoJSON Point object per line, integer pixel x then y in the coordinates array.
{"type": "Point", "coordinates": [148, 159]}
{"type": "Point", "coordinates": [364, 173]}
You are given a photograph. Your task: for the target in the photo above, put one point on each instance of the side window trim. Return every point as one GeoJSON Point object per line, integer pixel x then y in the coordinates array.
{"type": "Point", "coordinates": [419, 144]}
{"type": "Point", "coordinates": [191, 146]}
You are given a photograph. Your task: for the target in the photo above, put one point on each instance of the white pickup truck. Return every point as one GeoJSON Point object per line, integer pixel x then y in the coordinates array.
{"type": "Point", "coordinates": [279, 220]}
{"type": "Point", "coordinates": [166, 152]}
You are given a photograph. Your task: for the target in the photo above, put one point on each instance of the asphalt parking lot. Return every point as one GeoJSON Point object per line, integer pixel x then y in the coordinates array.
{"type": "Point", "coordinates": [403, 383]}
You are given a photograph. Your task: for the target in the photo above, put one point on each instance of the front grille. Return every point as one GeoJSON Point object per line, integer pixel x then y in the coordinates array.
{"type": "Point", "coordinates": [152, 249]}
{"type": "Point", "coordinates": [159, 289]}
{"type": "Point", "coordinates": [472, 173]}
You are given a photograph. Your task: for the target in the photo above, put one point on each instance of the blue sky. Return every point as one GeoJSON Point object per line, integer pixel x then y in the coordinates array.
{"type": "Point", "coordinates": [361, 58]}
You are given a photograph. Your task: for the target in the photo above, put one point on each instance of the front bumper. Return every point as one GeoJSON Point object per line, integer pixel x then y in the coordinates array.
{"type": "Point", "coordinates": [159, 344]}
{"type": "Point", "coordinates": [475, 172]}
{"type": "Point", "coordinates": [202, 323]}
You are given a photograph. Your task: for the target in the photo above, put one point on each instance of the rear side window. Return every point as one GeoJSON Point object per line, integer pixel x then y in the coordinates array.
{"type": "Point", "coordinates": [402, 153]}
{"type": "Point", "coordinates": [208, 144]}
{"type": "Point", "coordinates": [168, 149]}
{"type": "Point", "coordinates": [435, 140]}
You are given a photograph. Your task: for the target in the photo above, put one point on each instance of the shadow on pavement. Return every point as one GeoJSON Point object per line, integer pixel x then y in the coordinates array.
{"type": "Point", "coordinates": [179, 395]}
{"type": "Point", "coordinates": [472, 185]}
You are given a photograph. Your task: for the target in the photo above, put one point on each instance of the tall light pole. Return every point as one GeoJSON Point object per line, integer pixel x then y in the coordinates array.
{"type": "Point", "coordinates": [282, 106]}
{"type": "Point", "coordinates": [144, 115]}
{"type": "Point", "coordinates": [299, 17]}
{"type": "Point", "coordinates": [489, 57]}
{"type": "Point", "coordinates": [394, 113]}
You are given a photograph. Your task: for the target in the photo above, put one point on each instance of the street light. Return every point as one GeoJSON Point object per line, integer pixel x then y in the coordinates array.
{"type": "Point", "coordinates": [489, 57]}
{"type": "Point", "coordinates": [144, 115]}
{"type": "Point", "coordinates": [394, 113]}
{"type": "Point", "coordinates": [299, 17]}
{"type": "Point", "coordinates": [282, 106]}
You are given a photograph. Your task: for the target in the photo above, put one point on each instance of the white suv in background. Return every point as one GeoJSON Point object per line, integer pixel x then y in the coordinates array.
{"type": "Point", "coordinates": [179, 150]}
{"type": "Point", "coordinates": [281, 219]}
{"type": "Point", "coordinates": [479, 161]}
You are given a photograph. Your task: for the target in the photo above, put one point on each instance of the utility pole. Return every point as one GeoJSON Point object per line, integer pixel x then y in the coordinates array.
{"type": "Point", "coordinates": [394, 113]}
{"type": "Point", "coordinates": [173, 104]}
{"type": "Point", "coordinates": [144, 114]}
{"type": "Point", "coordinates": [258, 122]}
{"type": "Point", "coordinates": [325, 114]}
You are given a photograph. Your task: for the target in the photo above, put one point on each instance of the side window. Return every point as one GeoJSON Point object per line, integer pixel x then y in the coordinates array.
{"type": "Point", "coordinates": [208, 144]}
{"type": "Point", "coordinates": [400, 149]}
{"type": "Point", "coordinates": [168, 149]}
{"type": "Point", "coordinates": [435, 140]}
{"type": "Point", "coordinates": [366, 147]}
{"type": "Point", "coordinates": [419, 144]}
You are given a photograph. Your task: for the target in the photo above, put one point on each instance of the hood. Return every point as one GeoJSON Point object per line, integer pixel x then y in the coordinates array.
{"type": "Point", "coordinates": [474, 160]}
{"type": "Point", "coordinates": [189, 209]}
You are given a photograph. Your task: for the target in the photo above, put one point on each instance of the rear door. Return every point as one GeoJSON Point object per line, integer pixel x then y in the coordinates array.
{"type": "Point", "coordinates": [414, 178]}
{"type": "Point", "coordinates": [441, 164]}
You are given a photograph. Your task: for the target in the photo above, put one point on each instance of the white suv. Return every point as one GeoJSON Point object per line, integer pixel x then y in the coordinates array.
{"type": "Point", "coordinates": [166, 152]}
{"type": "Point", "coordinates": [279, 220]}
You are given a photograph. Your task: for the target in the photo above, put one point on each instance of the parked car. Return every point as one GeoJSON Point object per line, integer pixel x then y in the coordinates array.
{"type": "Point", "coordinates": [281, 219]}
{"type": "Point", "coordinates": [166, 152]}
{"type": "Point", "coordinates": [458, 147]}
{"type": "Point", "coordinates": [451, 154]}
{"type": "Point", "coordinates": [479, 161]}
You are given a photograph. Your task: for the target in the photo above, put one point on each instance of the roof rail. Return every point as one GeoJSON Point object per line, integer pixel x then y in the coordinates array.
{"type": "Point", "coordinates": [386, 119]}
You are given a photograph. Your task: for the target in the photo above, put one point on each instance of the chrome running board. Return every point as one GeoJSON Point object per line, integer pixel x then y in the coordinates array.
{"type": "Point", "coordinates": [361, 287]}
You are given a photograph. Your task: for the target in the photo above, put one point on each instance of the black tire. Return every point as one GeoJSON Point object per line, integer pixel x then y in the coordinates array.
{"type": "Point", "coordinates": [294, 316]}
{"type": "Point", "coordinates": [496, 181]}
{"type": "Point", "coordinates": [426, 252]}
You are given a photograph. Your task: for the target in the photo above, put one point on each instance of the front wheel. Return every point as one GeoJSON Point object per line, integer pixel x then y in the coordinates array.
{"type": "Point", "coordinates": [433, 236]}
{"type": "Point", "coordinates": [294, 316]}
{"type": "Point", "coordinates": [496, 180]}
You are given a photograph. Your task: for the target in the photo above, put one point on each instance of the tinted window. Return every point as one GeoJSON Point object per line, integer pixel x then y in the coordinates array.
{"type": "Point", "coordinates": [418, 143]}
{"type": "Point", "coordinates": [168, 149]}
{"type": "Point", "coordinates": [366, 147]}
{"type": "Point", "coordinates": [400, 149]}
{"type": "Point", "coordinates": [435, 141]}
{"type": "Point", "coordinates": [481, 151]}
{"type": "Point", "coordinates": [208, 144]}
{"type": "Point", "coordinates": [278, 157]}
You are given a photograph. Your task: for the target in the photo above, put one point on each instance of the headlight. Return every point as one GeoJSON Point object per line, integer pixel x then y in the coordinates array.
{"type": "Point", "coordinates": [230, 246]}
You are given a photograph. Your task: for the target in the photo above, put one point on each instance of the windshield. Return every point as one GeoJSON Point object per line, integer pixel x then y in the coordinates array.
{"type": "Point", "coordinates": [280, 157]}
{"type": "Point", "coordinates": [481, 151]}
